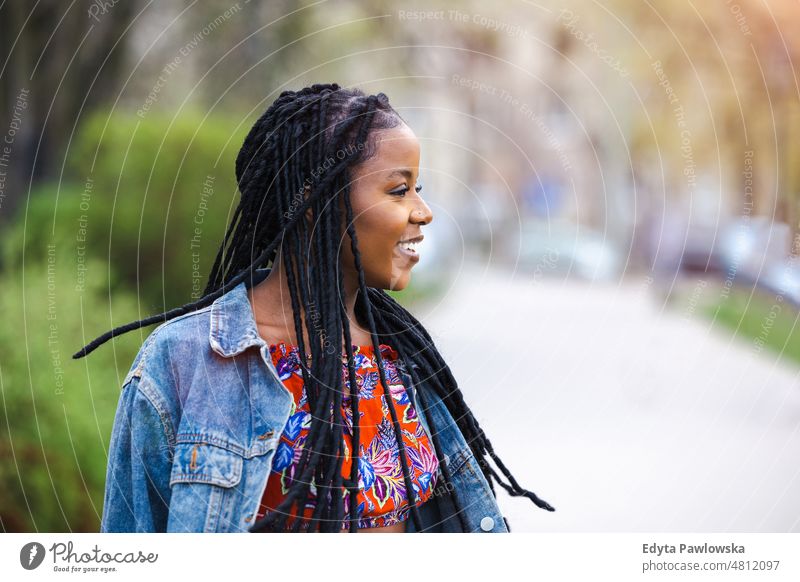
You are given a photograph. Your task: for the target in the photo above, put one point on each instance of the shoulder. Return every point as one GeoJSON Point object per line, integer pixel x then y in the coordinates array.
{"type": "Point", "coordinates": [173, 341]}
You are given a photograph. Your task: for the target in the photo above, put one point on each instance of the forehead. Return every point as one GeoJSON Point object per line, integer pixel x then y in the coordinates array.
{"type": "Point", "coordinates": [396, 148]}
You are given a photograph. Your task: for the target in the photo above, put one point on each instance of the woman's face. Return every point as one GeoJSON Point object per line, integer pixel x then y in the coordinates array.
{"type": "Point", "coordinates": [387, 211]}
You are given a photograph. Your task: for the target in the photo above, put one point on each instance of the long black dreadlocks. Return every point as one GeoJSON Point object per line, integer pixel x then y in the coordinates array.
{"type": "Point", "coordinates": [298, 157]}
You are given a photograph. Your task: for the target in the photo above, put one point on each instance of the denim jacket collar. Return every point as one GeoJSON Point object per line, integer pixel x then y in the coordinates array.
{"type": "Point", "coordinates": [233, 327]}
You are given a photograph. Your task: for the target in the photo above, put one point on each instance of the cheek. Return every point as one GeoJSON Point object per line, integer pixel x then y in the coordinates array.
{"type": "Point", "coordinates": [381, 226]}
{"type": "Point", "coordinates": [378, 231]}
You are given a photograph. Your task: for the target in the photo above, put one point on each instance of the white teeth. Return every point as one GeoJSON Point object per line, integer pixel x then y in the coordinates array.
{"type": "Point", "coordinates": [409, 246]}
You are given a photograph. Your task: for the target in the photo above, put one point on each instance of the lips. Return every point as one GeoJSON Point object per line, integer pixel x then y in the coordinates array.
{"type": "Point", "coordinates": [411, 243]}
{"type": "Point", "coordinates": [409, 247]}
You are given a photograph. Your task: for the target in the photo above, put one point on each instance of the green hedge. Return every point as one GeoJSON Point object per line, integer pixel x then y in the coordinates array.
{"type": "Point", "coordinates": [152, 197]}
{"type": "Point", "coordinates": [58, 412]}
{"type": "Point", "coordinates": [122, 225]}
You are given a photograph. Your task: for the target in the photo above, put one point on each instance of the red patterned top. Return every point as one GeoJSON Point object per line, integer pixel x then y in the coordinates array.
{"type": "Point", "coordinates": [382, 499]}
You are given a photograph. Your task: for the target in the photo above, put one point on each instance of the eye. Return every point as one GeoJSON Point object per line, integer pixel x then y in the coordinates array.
{"type": "Point", "coordinates": [403, 189]}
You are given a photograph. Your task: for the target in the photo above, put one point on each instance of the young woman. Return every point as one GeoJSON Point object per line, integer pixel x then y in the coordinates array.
{"type": "Point", "coordinates": [238, 413]}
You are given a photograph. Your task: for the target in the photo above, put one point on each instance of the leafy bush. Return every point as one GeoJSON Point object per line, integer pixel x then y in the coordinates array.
{"type": "Point", "coordinates": [152, 197]}
{"type": "Point", "coordinates": [57, 412]}
{"type": "Point", "coordinates": [140, 214]}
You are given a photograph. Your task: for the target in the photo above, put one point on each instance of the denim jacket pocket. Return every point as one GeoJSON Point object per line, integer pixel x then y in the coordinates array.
{"type": "Point", "coordinates": [203, 462]}
{"type": "Point", "coordinates": [457, 462]}
{"type": "Point", "coordinates": [204, 481]}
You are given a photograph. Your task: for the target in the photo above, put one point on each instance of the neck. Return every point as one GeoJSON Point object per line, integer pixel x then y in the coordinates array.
{"type": "Point", "coordinates": [272, 307]}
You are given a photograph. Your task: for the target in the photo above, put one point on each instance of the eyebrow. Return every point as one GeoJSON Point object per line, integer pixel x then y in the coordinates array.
{"type": "Point", "coordinates": [405, 173]}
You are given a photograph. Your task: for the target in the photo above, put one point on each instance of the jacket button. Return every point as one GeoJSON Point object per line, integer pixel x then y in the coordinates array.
{"type": "Point", "coordinates": [487, 524]}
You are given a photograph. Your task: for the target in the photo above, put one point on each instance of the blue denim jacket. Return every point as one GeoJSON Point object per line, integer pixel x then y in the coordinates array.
{"type": "Point", "coordinates": [199, 419]}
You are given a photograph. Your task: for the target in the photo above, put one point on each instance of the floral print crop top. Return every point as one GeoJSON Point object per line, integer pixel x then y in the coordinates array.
{"type": "Point", "coordinates": [382, 499]}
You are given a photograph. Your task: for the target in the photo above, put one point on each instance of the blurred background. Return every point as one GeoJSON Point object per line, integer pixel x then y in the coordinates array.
{"type": "Point", "coordinates": [611, 271]}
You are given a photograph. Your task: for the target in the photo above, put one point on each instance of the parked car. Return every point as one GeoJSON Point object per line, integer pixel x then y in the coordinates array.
{"type": "Point", "coordinates": [566, 249]}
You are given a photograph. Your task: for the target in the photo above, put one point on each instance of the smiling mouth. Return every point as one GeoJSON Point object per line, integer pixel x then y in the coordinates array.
{"type": "Point", "coordinates": [409, 247]}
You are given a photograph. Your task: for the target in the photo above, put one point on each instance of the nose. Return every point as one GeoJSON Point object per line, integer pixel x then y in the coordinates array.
{"type": "Point", "coordinates": [422, 214]}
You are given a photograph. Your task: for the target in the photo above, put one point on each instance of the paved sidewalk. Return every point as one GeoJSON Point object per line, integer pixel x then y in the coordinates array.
{"type": "Point", "coordinates": [624, 416]}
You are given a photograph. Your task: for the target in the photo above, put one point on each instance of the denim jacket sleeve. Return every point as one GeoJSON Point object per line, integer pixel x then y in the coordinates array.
{"type": "Point", "coordinates": [137, 491]}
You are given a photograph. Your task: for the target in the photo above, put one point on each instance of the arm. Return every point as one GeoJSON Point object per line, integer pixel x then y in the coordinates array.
{"type": "Point", "coordinates": [139, 462]}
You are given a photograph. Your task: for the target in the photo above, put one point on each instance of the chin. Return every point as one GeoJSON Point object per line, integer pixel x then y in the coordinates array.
{"type": "Point", "coordinates": [398, 279]}
{"type": "Point", "coordinates": [399, 283]}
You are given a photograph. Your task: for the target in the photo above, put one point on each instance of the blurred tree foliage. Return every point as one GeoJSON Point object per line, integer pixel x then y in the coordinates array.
{"type": "Point", "coordinates": [56, 52]}
{"type": "Point", "coordinates": [57, 412]}
{"type": "Point", "coordinates": [151, 197]}
{"type": "Point", "coordinates": [131, 231]}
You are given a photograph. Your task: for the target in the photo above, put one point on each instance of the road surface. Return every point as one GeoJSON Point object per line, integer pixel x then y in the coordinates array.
{"type": "Point", "coordinates": [622, 414]}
